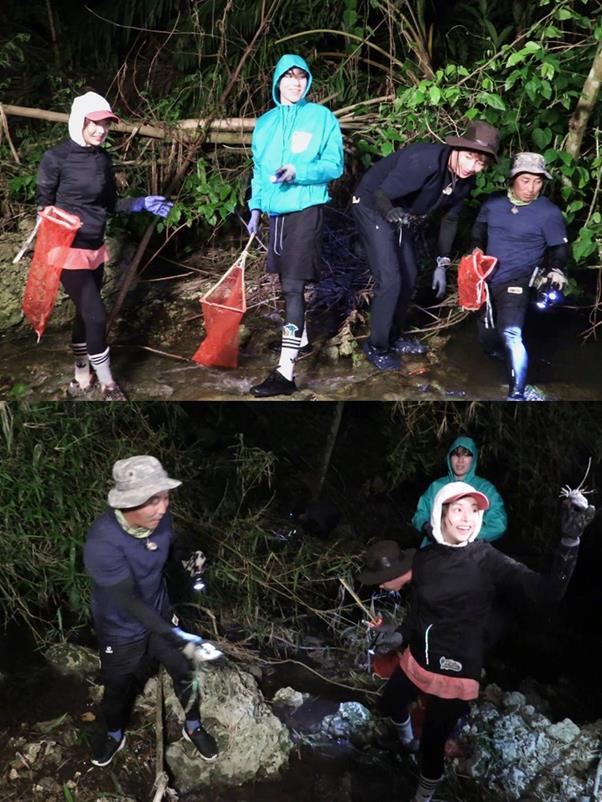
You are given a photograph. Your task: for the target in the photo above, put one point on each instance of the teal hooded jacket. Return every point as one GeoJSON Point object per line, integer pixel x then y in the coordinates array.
{"type": "Point", "coordinates": [494, 519]}
{"type": "Point", "coordinates": [303, 134]}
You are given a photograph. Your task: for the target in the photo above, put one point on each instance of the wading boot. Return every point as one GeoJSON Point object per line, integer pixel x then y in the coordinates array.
{"type": "Point", "coordinates": [106, 749]}
{"type": "Point", "coordinates": [76, 389]}
{"type": "Point", "coordinates": [205, 744]}
{"type": "Point", "coordinates": [383, 360]}
{"type": "Point", "coordinates": [275, 384]}
{"type": "Point", "coordinates": [113, 392]}
{"type": "Point", "coordinates": [408, 345]}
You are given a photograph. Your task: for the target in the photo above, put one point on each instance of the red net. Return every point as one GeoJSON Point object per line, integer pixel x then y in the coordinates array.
{"type": "Point", "coordinates": [223, 307]}
{"type": "Point", "coordinates": [473, 269]}
{"type": "Point", "coordinates": [55, 234]}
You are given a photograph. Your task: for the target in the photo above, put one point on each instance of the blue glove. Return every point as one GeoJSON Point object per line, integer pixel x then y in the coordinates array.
{"type": "Point", "coordinates": [284, 175]}
{"type": "Point", "coordinates": [254, 222]}
{"type": "Point", "coordinates": [155, 204]}
{"type": "Point", "coordinates": [396, 215]}
{"type": "Point", "coordinates": [187, 636]}
{"type": "Point", "coordinates": [439, 278]}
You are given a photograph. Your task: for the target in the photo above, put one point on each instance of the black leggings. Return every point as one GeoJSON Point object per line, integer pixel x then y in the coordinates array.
{"type": "Point", "coordinates": [293, 291]}
{"type": "Point", "coordinates": [439, 721]}
{"type": "Point", "coordinates": [89, 326]}
{"type": "Point", "coordinates": [126, 668]}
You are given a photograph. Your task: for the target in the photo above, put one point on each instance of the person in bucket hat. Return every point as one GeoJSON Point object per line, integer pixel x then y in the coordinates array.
{"type": "Point", "coordinates": [391, 203]}
{"type": "Point", "coordinates": [527, 234]}
{"type": "Point", "coordinates": [454, 583]}
{"type": "Point", "coordinates": [77, 176]}
{"type": "Point", "coordinates": [125, 554]}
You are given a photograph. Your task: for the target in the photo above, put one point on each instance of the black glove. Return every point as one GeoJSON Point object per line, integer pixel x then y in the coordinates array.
{"type": "Point", "coordinates": [575, 516]}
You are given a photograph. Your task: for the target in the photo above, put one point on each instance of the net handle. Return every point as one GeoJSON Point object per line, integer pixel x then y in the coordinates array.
{"type": "Point", "coordinates": [240, 263]}
{"type": "Point", "coordinates": [62, 218]}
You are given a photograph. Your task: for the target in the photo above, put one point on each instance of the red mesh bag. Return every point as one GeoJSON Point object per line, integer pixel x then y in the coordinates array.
{"type": "Point", "coordinates": [473, 269]}
{"type": "Point", "coordinates": [223, 307]}
{"type": "Point", "coordinates": [55, 234]}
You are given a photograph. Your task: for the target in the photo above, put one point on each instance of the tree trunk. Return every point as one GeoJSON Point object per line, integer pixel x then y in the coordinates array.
{"type": "Point", "coordinates": [585, 106]}
{"type": "Point", "coordinates": [330, 442]}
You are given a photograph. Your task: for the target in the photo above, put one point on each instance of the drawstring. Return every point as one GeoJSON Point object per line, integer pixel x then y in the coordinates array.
{"type": "Point", "coordinates": [278, 252]}
{"type": "Point", "coordinates": [426, 644]}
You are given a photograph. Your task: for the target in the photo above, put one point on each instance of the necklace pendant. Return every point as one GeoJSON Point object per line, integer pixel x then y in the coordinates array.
{"type": "Point", "coordinates": [514, 210]}
{"type": "Point", "coordinates": [448, 190]}
{"type": "Point", "coordinates": [151, 546]}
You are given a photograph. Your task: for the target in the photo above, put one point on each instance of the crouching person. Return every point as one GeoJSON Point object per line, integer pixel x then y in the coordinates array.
{"type": "Point", "coordinates": [454, 582]}
{"type": "Point", "coordinates": [125, 552]}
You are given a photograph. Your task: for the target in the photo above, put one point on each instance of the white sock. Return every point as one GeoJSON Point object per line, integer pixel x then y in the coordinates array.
{"type": "Point", "coordinates": [102, 367]}
{"type": "Point", "coordinates": [426, 789]}
{"type": "Point", "coordinates": [289, 350]}
{"type": "Point", "coordinates": [406, 733]}
{"type": "Point", "coordinates": [82, 364]}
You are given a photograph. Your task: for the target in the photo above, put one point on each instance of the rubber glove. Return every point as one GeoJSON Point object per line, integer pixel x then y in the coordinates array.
{"type": "Point", "coordinates": [284, 175]}
{"type": "Point", "coordinates": [439, 277]}
{"type": "Point", "coordinates": [254, 223]}
{"type": "Point", "coordinates": [557, 278]}
{"type": "Point", "coordinates": [155, 204]}
{"type": "Point", "coordinates": [396, 215]}
{"type": "Point", "coordinates": [386, 638]}
{"type": "Point", "coordinates": [577, 513]}
{"type": "Point", "coordinates": [187, 637]}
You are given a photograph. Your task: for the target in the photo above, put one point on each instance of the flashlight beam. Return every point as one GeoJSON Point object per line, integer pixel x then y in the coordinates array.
{"type": "Point", "coordinates": [357, 599]}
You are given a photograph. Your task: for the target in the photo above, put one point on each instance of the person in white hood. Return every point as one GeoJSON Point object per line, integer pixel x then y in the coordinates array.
{"type": "Point", "coordinates": [454, 583]}
{"type": "Point", "coordinates": [77, 176]}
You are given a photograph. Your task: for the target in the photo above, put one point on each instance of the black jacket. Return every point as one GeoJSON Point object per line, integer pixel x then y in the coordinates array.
{"type": "Point", "coordinates": [453, 590]}
{"type": "Point", "coordinates": [80, 180]}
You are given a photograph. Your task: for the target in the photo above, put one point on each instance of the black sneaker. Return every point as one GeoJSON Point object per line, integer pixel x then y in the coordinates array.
{"type": "Point", "coordinates": [408, 345]}
{"type": "Point", "coordinates": [106, 750]}
{"type": "Point", "coordinates": [383, 360]}
{"type": "Point", "coordinates": [205, 744]}
{"type": "Point", "coordinates": [276, 347]}
{"type": "Point", "coordinates": [275, 384]}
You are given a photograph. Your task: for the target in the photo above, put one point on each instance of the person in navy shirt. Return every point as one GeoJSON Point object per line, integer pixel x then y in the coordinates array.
{"type": "Point", "coordinates": [391, 201]}
{"type": "Point", "coordinates": [125, 552]}
{"type": "Point", "coordinates": [523, 230]}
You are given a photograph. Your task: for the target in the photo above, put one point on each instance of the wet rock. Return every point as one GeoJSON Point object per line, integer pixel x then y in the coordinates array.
{"type": "Point", "coordinates": [290, 698]}
{"type": "Point", "coordinates": [514, 750]}
{"type": "Point", "coordinates": [253, 743]}
{"type": "Point", "coordinates": [351, 721]}
{"type": "Point", "coordinates": [67, 658]}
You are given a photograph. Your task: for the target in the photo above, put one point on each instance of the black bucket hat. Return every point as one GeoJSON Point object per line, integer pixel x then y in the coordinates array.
{"type": "Point", "coordinates": [385, 560]}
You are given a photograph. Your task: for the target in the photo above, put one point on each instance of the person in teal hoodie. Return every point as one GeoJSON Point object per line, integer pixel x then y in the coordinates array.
{"type": "Point", "coordinates": [297, 150]}
{"type": "Point", "coordinates": [462, 459]}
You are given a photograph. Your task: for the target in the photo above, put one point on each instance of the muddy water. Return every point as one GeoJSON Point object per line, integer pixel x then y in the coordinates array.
{"type": "Point", "coordinates": [561, 365]}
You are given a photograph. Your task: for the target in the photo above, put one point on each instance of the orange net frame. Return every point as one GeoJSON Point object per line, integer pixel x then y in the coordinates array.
{"type": "Point", "coordinates": [473, 269]}
{"type": "Point", "coordinates": [55, 234]}
{"type": "Point", "coordinates": [223, 307]}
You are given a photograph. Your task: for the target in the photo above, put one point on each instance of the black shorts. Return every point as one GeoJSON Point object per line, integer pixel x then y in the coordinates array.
{"type": "Point", "coordinates": [295, 249]}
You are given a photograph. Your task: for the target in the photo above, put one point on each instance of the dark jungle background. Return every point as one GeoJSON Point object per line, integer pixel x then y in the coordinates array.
{"type": "Point", "coordinates": [393, 70]}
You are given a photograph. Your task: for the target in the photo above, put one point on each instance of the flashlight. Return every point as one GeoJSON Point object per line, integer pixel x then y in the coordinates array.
{"type": "Point", "coordinates": [198, 583]}
{"type": "Point", "coordinates": [548, 296]}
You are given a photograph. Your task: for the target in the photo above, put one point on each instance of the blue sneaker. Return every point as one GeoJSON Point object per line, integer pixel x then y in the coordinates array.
{"type": "Point", "coordinates": [383, 360]}
{"type": "Point", "coordinates": [408, 345]}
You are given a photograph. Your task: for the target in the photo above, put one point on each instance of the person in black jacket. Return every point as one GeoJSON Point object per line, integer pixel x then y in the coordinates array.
{"type": "Point", "coordinates": [392, 199]}
{"type": "Point", "coordinates": [125, 553]}
{"type": "Point", "coordinates": [77, 176]}
{"type": "Point", "coordinates": [454, 583]}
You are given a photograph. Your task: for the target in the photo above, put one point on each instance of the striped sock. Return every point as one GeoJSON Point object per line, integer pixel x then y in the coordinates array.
{"type": "Point", "coordinates": [102, 366]}
{"type": "Point", "coordinates": [426, 789]}
{"type": "Point", "coordinates": [289, 350]}
{"type": "Point", "coordinates": [82, 364]}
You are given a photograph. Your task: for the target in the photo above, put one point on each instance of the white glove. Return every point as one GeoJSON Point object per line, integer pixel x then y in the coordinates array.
{"type": "Point", "coordinates": [557, 278]}
{"type": "Point", "coordinates": [201, 654]}
{"type": "Point", "coordinates": [195, 564]}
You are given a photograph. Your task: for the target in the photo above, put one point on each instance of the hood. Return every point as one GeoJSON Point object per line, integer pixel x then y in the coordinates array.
{"type": "Point", "coordinates": [447, 492]}
{"type": "Point", "coordinates": [284, 64]}
{"type": "Point", "coordinates": [80, 108]}
{"type": "Point", "coordinates": [469, 443]}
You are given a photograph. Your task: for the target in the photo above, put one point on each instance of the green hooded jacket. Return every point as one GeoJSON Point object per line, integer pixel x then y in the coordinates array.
{"type": "Point", "coordinates": [306, 135]}
{"type": "Point", "coordinates": [494, 519]}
